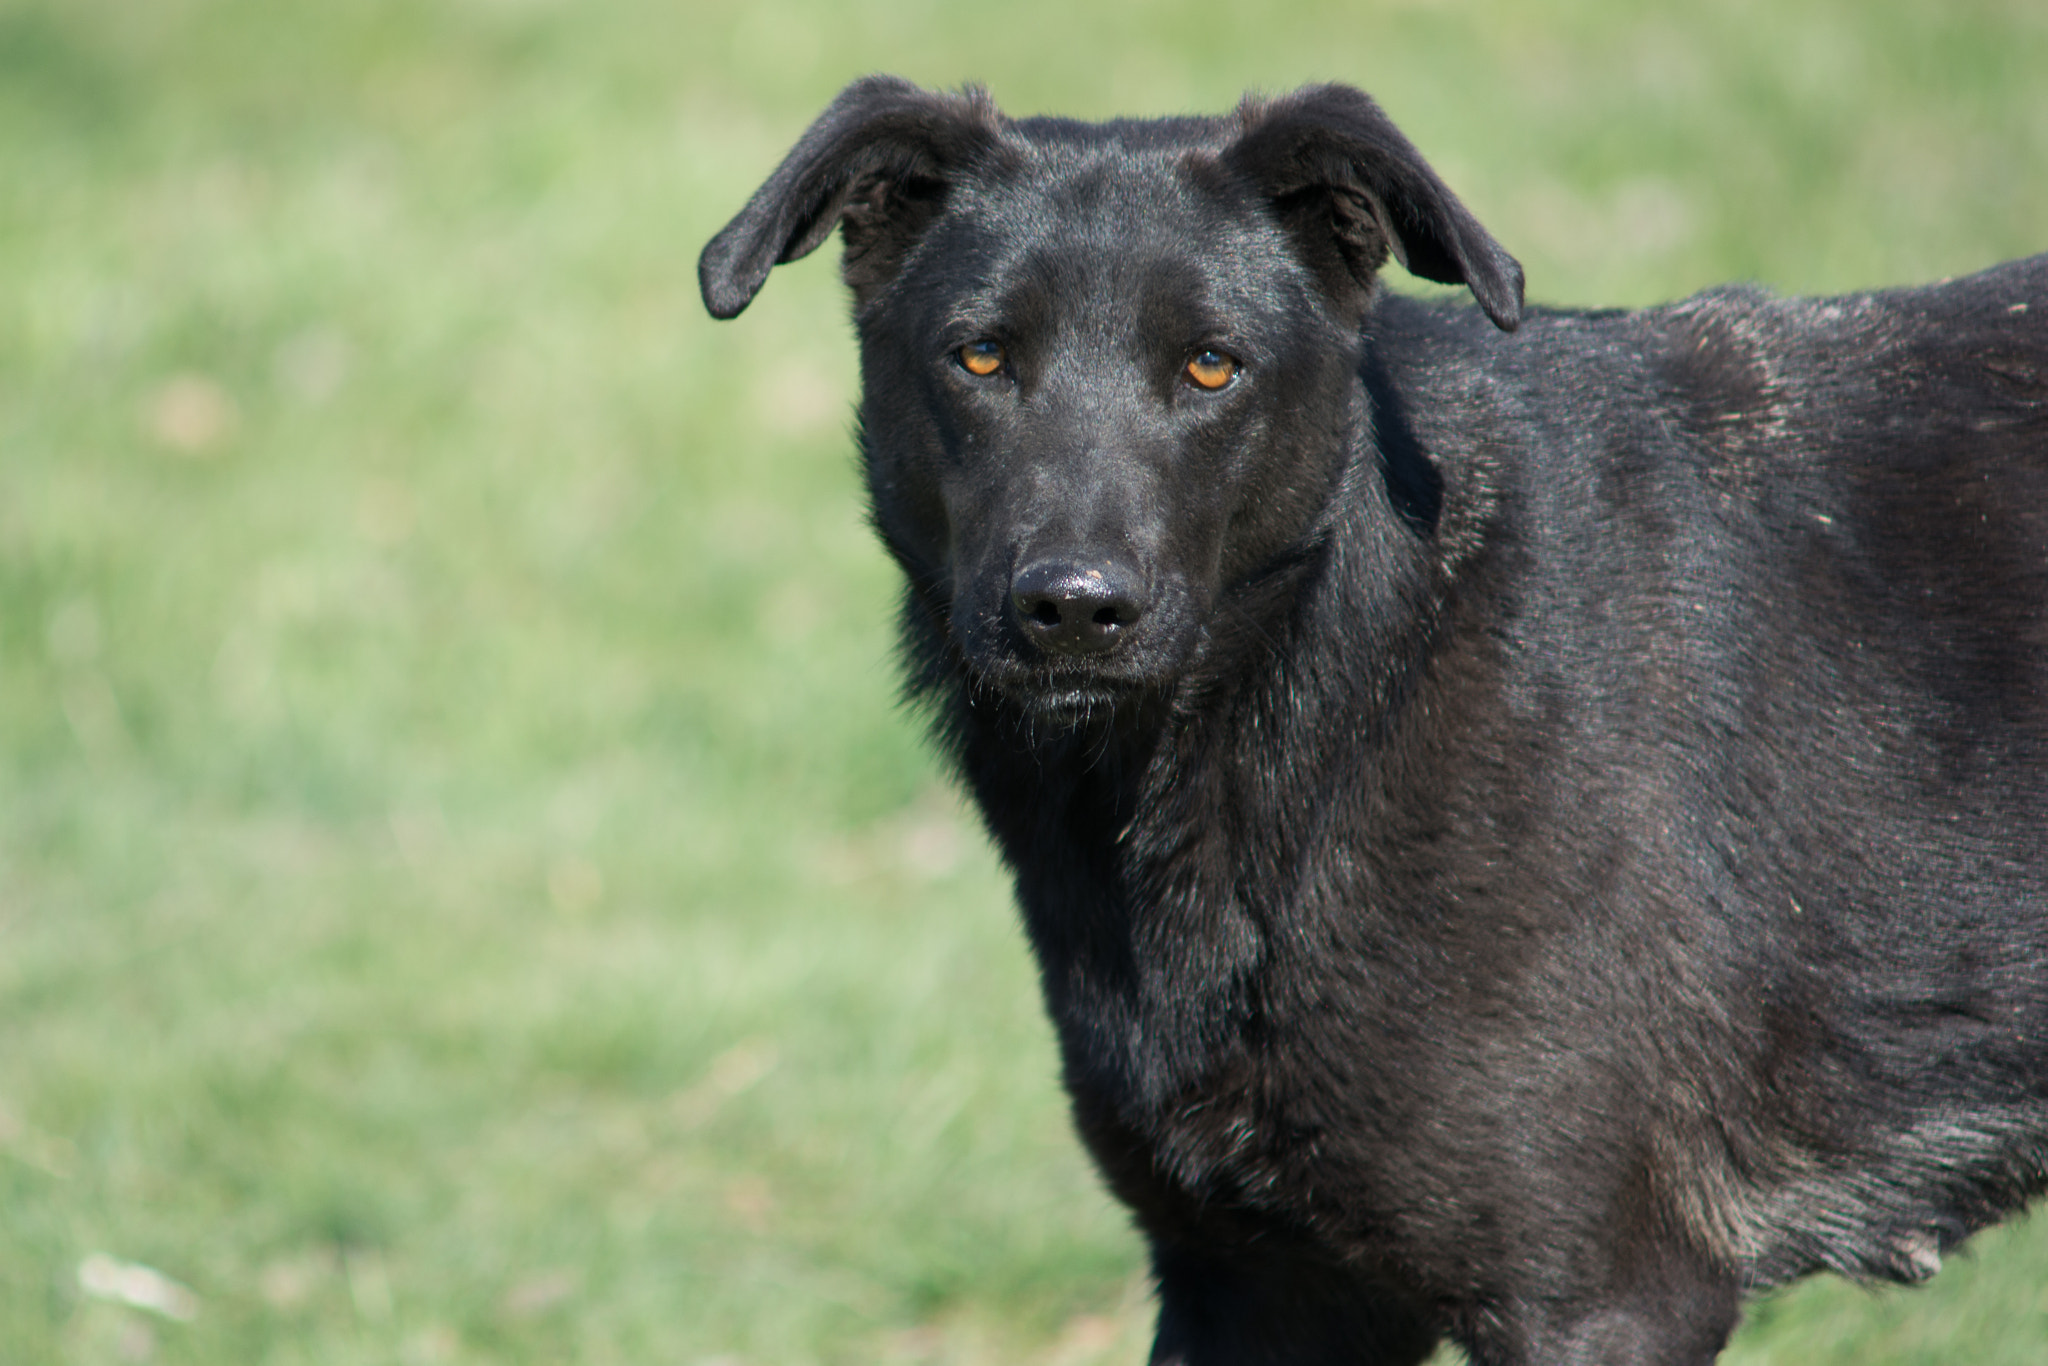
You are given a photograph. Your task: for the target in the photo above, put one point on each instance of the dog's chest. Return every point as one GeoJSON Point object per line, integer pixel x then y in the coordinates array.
{"type": "Point", "coordinates": [1214, 1064]}
{"type": "Point", "coordinates": [1240, 1157]}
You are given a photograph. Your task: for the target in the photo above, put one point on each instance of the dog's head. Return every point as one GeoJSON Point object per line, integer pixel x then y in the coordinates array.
{"type": "Point", "coordinates": [1110, 370]}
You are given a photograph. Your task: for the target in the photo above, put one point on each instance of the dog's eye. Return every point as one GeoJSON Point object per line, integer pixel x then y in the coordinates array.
{"type": "Point", "coordinates": [981, 358]}
{"type": "Point", "coordinates": [1210, 369]}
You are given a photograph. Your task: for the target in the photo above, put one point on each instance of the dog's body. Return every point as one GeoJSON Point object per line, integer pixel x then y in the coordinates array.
{"type": "Point", "coordinates": [1527, 835]}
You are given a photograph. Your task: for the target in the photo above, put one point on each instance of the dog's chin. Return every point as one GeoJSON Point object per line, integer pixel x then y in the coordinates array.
{"type": "Point", "coordinates": [1059, 699]}
{"type": "Point", "coordinates": [1069, 706]}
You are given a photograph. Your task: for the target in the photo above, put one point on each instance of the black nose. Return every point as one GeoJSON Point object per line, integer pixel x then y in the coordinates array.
{"type": "Point", "coordinates": [1075, 609]}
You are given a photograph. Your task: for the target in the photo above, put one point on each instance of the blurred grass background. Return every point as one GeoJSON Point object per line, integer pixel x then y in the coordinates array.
{"type": "Point", "coordinates": [467, 893]}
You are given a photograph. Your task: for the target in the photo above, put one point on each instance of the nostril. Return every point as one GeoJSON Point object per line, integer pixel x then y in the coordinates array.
{"type": "Point", "coordinates": [1070, 608]}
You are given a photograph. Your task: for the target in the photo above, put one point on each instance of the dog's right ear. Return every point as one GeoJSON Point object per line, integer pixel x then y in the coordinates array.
{"type": "Point", "coordinates": [879, 159]}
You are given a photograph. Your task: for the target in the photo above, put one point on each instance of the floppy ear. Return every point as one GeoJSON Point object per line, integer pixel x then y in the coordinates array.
{"type": "Point", "coordinates": [879, 159]}
{"type": "Point", "coordinates": [1352, 189]}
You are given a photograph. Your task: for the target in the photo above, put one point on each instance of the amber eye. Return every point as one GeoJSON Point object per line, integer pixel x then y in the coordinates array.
{"type": "Point", "coordinates": [1210, 369]}
{"type": "Point", "coordinates": [981, 358]}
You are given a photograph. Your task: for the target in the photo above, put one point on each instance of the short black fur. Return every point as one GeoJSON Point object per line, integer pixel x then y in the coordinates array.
{"type": "Point", "coordinates": [1531, 824]}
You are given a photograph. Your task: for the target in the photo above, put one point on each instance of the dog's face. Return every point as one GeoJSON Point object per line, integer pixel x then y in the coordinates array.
{"type": "Point", "coordinates": [1078, 370]}
{"type": "Point", "coordinates": [1082, 345]}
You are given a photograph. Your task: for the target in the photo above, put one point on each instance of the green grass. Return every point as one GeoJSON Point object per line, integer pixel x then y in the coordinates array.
{"type": "Point", "coordinates": [467, 893]}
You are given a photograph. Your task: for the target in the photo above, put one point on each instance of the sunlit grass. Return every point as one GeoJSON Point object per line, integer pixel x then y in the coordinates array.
{"type": "Point", "coordinates": [467, 890]}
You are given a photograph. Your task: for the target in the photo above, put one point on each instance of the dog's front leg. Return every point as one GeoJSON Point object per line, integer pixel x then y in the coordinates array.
{"type": "Point", "coordinates": [1278, 1313]}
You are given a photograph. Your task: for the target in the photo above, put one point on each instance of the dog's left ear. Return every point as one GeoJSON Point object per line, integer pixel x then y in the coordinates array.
{"type": "Point", "coordinates": [1352, 189]}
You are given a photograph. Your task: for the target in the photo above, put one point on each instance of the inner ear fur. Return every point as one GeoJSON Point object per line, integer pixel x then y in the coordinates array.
{"type": "Point", "coordinates": [1353, 191]}
{"type": "Point", "coordinates": [879, 159]}
{"type": "Point", "coordinates": [883, 215]}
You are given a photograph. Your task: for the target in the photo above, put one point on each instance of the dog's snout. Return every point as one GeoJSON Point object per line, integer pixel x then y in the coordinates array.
{"type": "Point", "coordinates": [1069, 608]}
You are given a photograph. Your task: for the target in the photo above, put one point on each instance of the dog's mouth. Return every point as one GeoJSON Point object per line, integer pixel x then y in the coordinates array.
{"type": "Point", "coordinates": [1074, 704]}
{"type": "Point", "coordinates": [1065, 697]}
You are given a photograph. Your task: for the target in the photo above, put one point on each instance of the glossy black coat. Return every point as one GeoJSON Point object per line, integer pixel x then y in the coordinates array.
{"type": "Point", "coordinates": [1555, 837]}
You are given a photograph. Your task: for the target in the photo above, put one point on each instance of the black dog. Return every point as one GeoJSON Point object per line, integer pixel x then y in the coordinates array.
{"type": "Point", "coordinates": [1532, 825]}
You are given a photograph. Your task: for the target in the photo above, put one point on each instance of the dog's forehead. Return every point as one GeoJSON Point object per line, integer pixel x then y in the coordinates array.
{"type": "Point", "coordinates": [1104, 211]}
{"type": "Point", "coordinates": [1109, 190]}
